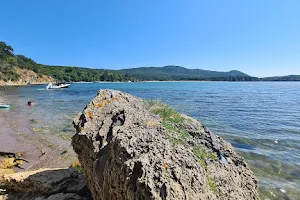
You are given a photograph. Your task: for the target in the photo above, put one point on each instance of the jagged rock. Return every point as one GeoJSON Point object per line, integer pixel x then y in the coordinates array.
{"type": "Point", "coordinates": [128, 152]}
{"type": "Point", "coordinates": [60, 183]}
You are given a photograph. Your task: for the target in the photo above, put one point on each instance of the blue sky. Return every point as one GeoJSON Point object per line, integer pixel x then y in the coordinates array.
{"type": "Point", "coordinates": [259, 37]}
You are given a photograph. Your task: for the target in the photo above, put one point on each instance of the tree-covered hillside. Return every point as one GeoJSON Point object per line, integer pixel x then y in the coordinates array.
{"type": "Point", "coordinates": [10, 62]}
{"type": "Point", "coordinates": [282, 78]}
{"type": "Point", "coordinates": [180, 73]}
{"type": "Point", "coordinates": [83, 74]}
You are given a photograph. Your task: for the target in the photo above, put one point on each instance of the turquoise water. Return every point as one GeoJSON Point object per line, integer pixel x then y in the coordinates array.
{"type": "Point", "coordinates": [260, 119]}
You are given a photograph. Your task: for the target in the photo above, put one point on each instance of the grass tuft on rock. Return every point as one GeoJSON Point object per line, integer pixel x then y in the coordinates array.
{"type": "Point", "coordinates": [172, 121]}
{"type": "Point", "coordinates": [212, 184]}
{"type": "Point", "coordinates": [203, 155]}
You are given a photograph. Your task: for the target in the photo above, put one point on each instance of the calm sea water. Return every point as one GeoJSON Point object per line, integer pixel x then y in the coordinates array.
{"type": "Point", "coordinates": [260, 119]}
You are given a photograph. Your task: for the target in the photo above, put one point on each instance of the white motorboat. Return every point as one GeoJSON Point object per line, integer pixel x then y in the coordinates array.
{"type": "Point", "coordinates": [57, 86]}
{"type": "Point", "coordinates": [4, 106]}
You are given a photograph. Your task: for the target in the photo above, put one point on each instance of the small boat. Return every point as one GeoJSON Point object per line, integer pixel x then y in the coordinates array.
{"type": "Point", "coordinates": [4, 106]}
{"type": "Point", "coordinates": [57, 86]}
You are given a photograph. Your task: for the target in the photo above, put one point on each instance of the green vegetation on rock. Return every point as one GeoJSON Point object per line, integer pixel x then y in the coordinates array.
{"type": "Point", "coordinates": [212, 184]}
{"type": "Point", "coordinates": [203, 155]}
{"type": "Point", "coordinates": [172, 121]}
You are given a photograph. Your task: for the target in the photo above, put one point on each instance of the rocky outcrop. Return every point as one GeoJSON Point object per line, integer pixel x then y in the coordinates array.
{"type": "Point", "coordinates": [45, 184]}
{"type": "Point", "coordinates": [28, 77]}
{"type": "Point", "coordinates": [133, 149]}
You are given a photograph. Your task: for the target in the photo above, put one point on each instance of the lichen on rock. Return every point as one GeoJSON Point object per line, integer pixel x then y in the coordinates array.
{"type": "Point", "coordinates": [135, 149]}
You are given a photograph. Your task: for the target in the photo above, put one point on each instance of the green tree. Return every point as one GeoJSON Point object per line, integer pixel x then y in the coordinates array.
{"type": "Point", "coordinates": [5, 50]}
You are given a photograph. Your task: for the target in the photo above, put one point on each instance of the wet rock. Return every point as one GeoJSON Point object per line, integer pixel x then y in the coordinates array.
{"type": "Point", "coordinates": [127, 152]}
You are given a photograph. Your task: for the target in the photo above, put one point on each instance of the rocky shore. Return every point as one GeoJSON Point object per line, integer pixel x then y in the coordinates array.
{"type": "Point", "coordinates": [135, 149]}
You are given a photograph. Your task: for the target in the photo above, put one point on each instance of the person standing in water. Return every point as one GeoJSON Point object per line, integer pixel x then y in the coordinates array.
{"type": "Point", "coordinates": [30, 103]}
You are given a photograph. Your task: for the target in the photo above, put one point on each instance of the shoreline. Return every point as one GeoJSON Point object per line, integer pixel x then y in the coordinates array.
{"type": "Point", "coordinates": [9, 84]}
{"type": "Point", "coordinates": [14, 139]}
{"type": "Point", "coordinates": [39, 149]}
{"type": "Point", "coordinates": [177, 81]}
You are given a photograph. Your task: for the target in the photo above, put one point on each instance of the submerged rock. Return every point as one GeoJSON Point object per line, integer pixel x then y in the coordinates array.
{"type": "Point", "coordinates": [132, 149]}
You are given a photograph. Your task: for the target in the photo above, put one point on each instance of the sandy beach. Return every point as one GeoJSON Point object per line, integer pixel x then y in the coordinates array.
{"type": "Point", "coordinates": [15, 139]}
{"type": "Point", "coordinates": [18, 137]}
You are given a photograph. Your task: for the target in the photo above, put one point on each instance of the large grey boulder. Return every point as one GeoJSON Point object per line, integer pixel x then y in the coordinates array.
{"type": "Point", "coordinates": [45, 184]}
{"type": "Point", "coordinates": [133, 149]}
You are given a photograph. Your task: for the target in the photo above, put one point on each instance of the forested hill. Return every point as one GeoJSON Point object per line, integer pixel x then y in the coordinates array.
{"type": "Point", "coordinates": [180, 73]}
{"type": "Point", "coordinates": [20, 69]}
{"type": "Point", "coordinates": [282, 78]}
{"type": "Point", "coordinates": [10, 65]}
{"type": "Point", "coordinates": [13, 67]}
{"type": "Point", "coordinates": [76, 74]}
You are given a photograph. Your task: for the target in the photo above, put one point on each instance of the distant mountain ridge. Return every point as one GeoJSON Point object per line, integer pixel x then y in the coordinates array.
{"type": "Point", "coordinates": [282, 78]}
{"type": "Point", "coordinates": [18, 69]}
{"type": "Point", "coordinates": [180, 73]}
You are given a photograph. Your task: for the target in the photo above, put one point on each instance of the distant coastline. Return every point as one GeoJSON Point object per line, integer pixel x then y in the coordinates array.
{"type": "Point", "coordinates": [10, 83]}
{"type": "Point", "coordinates": [20, 70]}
